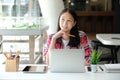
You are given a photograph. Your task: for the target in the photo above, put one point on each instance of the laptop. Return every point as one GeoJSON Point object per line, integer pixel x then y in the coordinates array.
{"type": "Point", "coordinates": [66, 60]}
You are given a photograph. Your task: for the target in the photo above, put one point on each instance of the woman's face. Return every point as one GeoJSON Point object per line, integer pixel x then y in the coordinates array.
{"type": "Point", "coordinates": [66, 22]}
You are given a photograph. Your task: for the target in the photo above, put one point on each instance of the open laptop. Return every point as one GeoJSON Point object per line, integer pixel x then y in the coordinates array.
{"type": "Point", "coordinates": [66, 60]}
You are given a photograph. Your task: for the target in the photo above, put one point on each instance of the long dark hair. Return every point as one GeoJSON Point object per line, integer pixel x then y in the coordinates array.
{"type": "Point", "coordinates": [74, 41]}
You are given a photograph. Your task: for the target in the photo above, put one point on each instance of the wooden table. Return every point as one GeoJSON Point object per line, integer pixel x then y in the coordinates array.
{"type": "Point", "coordinates": [110, 40]}
{"type": "Point", "coordinates": [99, 75]}
{"type": "Point", "coordinates": [30, 32]}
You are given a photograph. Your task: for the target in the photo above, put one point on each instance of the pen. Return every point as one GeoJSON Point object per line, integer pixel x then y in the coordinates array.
{"type": "Point", "coordinates": [71, 35]}
{"type": "Point", "coordinates": [116, 38]}
{"type": "Point", "coordinates": [5, 54]}
{"type": "Point", "coordinates": [10, 55]}
{"type": "Point", "coordinates": [101, 68]}
{"type": "Point", "coordinates": [17, 54]}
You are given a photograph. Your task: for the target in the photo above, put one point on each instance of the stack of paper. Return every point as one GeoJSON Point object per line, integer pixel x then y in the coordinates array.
{"type": "Point", "coordinates": [112, 67]}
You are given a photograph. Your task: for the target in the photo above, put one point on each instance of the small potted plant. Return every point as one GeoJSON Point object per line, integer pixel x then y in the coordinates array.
{"type": "Point", "coordinates": [95, 57]}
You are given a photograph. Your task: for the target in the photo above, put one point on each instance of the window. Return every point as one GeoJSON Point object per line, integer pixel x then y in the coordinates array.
{"type": "Point", "coordinates": [19, 14]}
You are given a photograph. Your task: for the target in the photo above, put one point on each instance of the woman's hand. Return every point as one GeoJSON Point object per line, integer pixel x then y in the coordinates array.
{"type": "Point", "coordinates": [59, 34]}
{"type": "Point", "coordinates": [53, 40]}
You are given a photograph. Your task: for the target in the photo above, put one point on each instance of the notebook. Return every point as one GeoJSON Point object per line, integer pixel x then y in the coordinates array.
{"type": "Point", "coordinates": [66, 60]}
{"type": "Point", "coordinates": [112, 67]}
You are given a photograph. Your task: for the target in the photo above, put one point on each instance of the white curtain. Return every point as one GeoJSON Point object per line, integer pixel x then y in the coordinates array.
{"type": "Point", "coordinates": [50, 10]}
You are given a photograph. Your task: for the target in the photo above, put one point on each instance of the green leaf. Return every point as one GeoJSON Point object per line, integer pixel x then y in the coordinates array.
{"type": "Point", "coordinates": [95, 56]}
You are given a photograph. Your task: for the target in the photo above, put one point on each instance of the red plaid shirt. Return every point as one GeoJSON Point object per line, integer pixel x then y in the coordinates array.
{"type": "Point", "coordinates": [84, 43]}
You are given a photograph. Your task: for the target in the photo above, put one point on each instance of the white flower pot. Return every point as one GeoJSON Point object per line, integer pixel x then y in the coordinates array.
{"type": "Point", "coordinates": [93, 68]}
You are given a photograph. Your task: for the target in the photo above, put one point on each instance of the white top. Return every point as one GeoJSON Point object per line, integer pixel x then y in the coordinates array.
{"type": "Point", "coordinates": [65, 43]}
{"type": "Point", "coordinates": [100, 75]}
{"type": "Point", "coordinates": [109, 39]}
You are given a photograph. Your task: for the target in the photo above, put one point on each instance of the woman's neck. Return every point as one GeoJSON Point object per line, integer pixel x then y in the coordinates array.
{"type": "Point", "coordinates": [65, 37]}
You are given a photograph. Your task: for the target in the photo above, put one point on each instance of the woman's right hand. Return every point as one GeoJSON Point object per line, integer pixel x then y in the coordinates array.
{"type": "Point", "coordinates": [58, 34]}
{"type": "Point", "coordinates": [54, 37]}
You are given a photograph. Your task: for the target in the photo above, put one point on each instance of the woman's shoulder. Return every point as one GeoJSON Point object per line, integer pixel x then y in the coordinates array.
{"type": "Point", "coordinates": [82, 33]}
{"type": "Point", "coordinates": [50, 35]}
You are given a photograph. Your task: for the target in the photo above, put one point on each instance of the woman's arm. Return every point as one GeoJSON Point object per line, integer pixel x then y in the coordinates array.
{"type": "Point", "coordinates": [46, 48]}
{"type": "Point", "coordinates": [55, 37]}
{"type": "Point", "coordinates": [50, 44]}
{"type": "Point", "coordinates": [86, 45]}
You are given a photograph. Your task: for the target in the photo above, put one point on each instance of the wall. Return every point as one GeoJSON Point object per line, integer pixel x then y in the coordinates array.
{"type": "Point", "coordinates": [117, 16]}
{"type": "Point", "coordinates": [50, 10]}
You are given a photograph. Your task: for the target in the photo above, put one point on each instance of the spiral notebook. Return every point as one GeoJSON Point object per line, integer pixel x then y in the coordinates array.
{"type": "Point", "coordinates": [112, 67]}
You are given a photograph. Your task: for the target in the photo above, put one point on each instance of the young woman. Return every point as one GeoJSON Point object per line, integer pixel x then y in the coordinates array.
{"type": "Point", "coordinates": [68, 36]}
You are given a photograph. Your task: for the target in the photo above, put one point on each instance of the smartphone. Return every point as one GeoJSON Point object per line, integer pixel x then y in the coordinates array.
{"type": "Point", "coordinates": [89, 68]}
{"type": "Point", "coordinates": [35, 69]}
